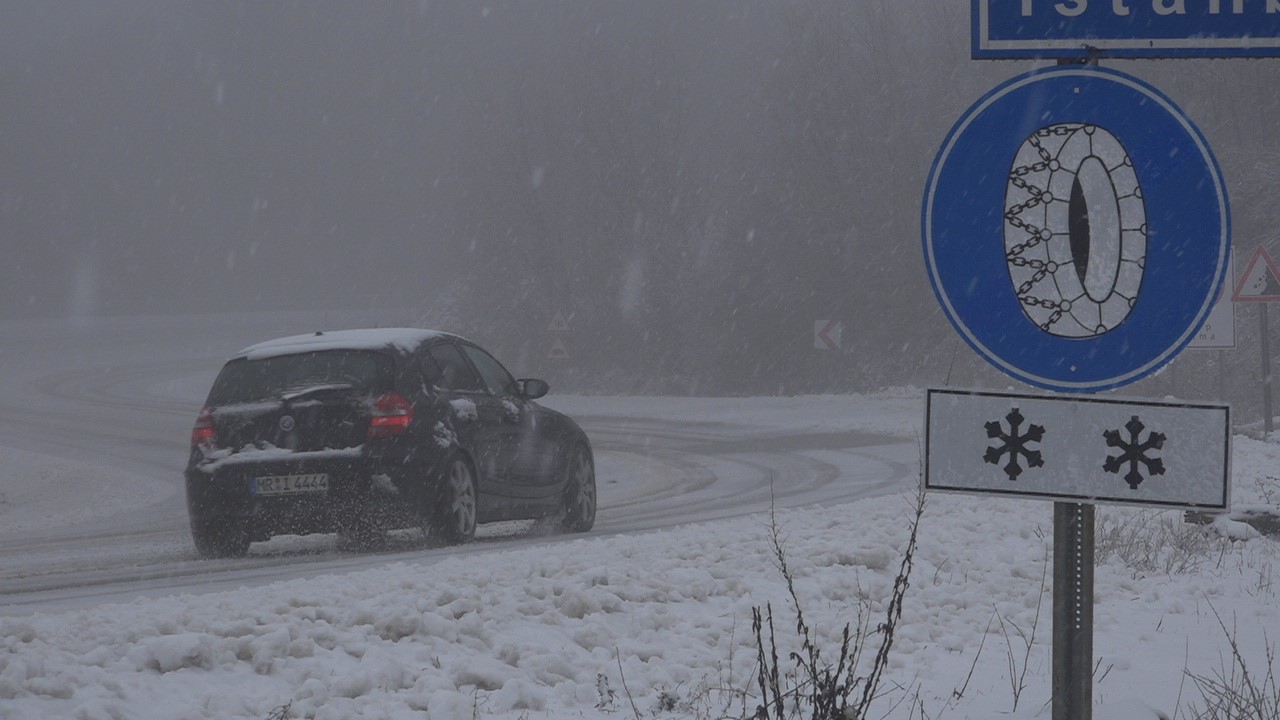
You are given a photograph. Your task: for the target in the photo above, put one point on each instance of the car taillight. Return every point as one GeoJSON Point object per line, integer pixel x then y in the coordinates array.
{"type": "Point", "coordinates": [389, 415]}
{"type": "Point", "coordinates": [202, 434]}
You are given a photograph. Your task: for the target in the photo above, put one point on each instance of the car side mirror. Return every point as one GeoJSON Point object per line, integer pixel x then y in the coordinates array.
{"type": "Point", "coordinates": [532, 388]}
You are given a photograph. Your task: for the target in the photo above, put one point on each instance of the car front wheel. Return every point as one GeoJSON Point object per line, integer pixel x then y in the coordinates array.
{"type": "Point", "coordinates": [579, 506]}
{"type": "Point", "coordinates": [456, 516]}
{"type": "Point", "coordinates": [219, 537]}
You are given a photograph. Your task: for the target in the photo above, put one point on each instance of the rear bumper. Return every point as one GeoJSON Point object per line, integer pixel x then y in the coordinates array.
{"type": "Point", "coordinates": [390, 491]}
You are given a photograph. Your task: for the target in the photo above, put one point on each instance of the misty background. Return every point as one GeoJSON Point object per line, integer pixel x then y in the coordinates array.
{"type": "Point", "coordinates": [646, 196]}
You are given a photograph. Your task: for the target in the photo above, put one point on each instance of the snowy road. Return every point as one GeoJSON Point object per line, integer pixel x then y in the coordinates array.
{"type": "Point", "coordinates": [94, 418]}
{"type": "Point", "coordinates": [519, 624]}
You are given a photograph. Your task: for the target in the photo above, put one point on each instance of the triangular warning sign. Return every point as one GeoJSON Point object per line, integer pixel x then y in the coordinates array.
{"type": "Point", "coordinates": [559, 323]}
{"type": "Point", "coordinates": [558, 350]}
{"type": "Point", "coordinates": [1260, 281]}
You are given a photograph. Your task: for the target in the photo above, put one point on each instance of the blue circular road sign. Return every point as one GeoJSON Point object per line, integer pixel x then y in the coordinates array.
{"type": "Point", "coordinates": [1076, 228]}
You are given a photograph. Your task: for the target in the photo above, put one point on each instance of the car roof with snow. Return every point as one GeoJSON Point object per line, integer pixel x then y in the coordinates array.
{"type": "Point", "coordinates": [404, 339]}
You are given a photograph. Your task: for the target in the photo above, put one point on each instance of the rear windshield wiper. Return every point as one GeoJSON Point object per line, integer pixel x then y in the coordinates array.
{"type": "Point", "coordinates": [315, 390]}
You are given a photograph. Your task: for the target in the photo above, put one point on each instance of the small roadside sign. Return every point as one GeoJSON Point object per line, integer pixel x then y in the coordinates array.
{"type": "Point", "coordinates": [558, 351]}
{"type": "Point", "coordinates": [1063, 242]}
{"type": "Point", "coordinates": [559, 323]}
{"type": "Point", "coordinates": [826, 334]}
{"type": "Point", "coordinates": [1260, 281]}
{"type": "Point", "coordinates": [1005, 29]}
{"type": "Point", "coordinates": [1078, 449]}
{"type": "Point", "coordinates": [1219, 329]}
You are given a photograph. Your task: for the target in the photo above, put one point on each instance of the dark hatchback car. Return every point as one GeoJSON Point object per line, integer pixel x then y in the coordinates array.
{"type": "Point", "coordinates": [362, 431]}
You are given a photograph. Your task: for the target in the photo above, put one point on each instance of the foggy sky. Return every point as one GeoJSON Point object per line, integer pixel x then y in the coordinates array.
{"type": "Point", "coordinates": [672, 174]}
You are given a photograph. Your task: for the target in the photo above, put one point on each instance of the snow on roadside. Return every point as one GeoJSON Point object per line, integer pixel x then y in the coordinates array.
{"type": "Point", "coordinates": [583, 627]}
{"type": "Point", "coordinates": [1255, 469]}
{"type": "Point", "coordinates": [662, 617]}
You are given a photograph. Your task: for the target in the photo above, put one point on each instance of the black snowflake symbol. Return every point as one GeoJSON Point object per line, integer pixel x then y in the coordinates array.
{"type": "Point", "coordinates": [1134, 452]}
{"type": "Point", "coordinates": [1015, 444]}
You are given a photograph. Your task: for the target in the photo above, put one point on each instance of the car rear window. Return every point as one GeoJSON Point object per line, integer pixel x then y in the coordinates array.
{"type": "Point", "coordinates": [242, 380]}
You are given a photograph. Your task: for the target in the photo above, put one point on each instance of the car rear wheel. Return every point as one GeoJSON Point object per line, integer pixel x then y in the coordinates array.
{"type": "Point", "coordinates": [456, 515]}
{"type": "Point", "coordinates": [579, 505]}
{"type": "Point", "coordinates": [219, 537]}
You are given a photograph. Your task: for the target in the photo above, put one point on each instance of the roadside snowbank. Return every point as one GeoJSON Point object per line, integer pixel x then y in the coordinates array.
{"type": "Point", "coordinates": [583, 627]}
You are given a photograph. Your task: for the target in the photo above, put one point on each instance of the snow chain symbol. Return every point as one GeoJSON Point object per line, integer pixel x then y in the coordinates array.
{"type": "Point", "coordinates": [1015, 444]}
{"type": "Point", "coordinates": [1075, 230]}
{"type": "Point", "coordinates": [1134, 452]}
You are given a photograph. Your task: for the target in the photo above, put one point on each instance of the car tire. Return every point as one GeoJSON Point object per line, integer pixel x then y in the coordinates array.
{"type": "Point", "coordinates": [578, 507]}
{"type": "Point", "coordinates": [455, 516]}
{"type": "Point", "coordinates": [220, 537]}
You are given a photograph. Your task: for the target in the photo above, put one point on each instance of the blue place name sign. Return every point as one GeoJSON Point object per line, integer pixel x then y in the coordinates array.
{"type": "Point", "coordinates": [1004, 29]}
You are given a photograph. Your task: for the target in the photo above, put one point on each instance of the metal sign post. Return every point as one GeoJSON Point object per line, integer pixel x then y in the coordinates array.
{"type": "Point", "coordinates": [1073, 561]}
{"type": "Point", "coordinates": [1265, 340]}
{"type": "Point", "coordinates": [1072, 611]}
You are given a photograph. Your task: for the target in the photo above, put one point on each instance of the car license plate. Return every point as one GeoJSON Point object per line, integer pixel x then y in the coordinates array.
{"type": "Point", "coordinates": [289, 484]}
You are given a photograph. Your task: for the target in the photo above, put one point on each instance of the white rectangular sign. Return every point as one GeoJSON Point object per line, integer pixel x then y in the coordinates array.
{"type": "Point", "coordinates": [1078, 449]}
{"type": "Point", "coordinates": [1219, 329]}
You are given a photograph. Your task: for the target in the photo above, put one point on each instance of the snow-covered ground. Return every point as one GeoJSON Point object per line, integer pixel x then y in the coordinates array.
{"type": "Point", "coordinates": [658, 624]}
